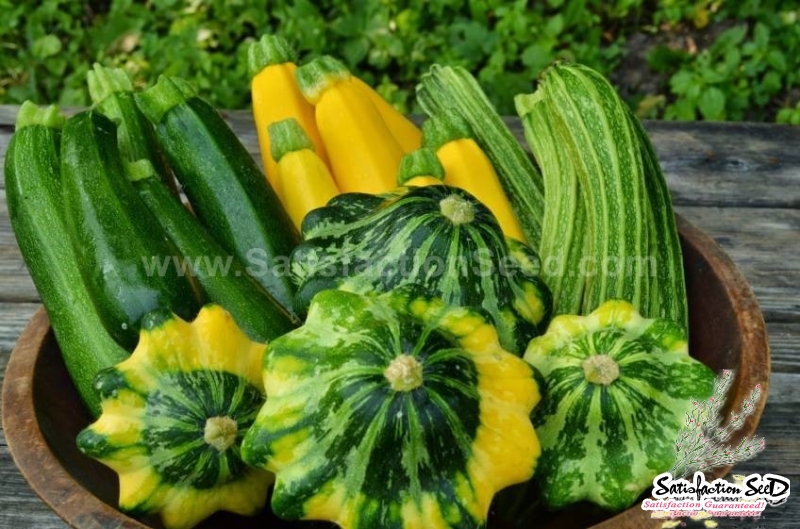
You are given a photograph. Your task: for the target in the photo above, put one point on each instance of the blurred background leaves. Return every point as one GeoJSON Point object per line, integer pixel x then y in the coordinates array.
{"type": "Point", "coordinates": [675, 59]}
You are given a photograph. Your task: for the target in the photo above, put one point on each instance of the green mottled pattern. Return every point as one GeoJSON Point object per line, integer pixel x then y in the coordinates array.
{"type": "Point", "coordinates": [174, 420]}
{"type": "Point", "coordinates": [605, 444]}
{"type": "Point", "coordinates": [353, 433]}
{"type": "Point", "coordinates": [407, 240]}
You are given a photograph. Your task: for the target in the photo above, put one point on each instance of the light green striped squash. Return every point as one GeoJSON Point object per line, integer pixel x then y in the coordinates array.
{"type": "Point", "coordinates": [173, 418]}
{"type": "Point", "coordinates": [616, 390]}
{"type": "Point", "coordinates": [439, 237]}
{"type": "Point", "coordinates": [393, 411]}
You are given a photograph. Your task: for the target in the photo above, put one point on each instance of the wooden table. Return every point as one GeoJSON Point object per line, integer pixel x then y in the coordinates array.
{"type": "Point", "coordinates": [740, 183]}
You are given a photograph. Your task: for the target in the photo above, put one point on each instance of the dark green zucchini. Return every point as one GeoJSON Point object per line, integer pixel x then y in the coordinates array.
{"type": "Point", "coordinates": [111, 91]}
{"type": "Point", "coordinates": [33, 193]}
{"type": "Point", "coordinates": [115, 235]}
{"type": "Point", "coordinates": [222, 276]}
{"type": "Point", "coordinates": [225, 187]}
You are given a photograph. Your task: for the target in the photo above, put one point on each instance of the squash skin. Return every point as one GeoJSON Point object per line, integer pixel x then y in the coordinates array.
{"type": "Point", "coordinates": [158, 407]}
{"type": "Point", "coordinates": [347, 448]}
{"type": "Point", "coordinates": [621, 421]}
{"type": "Point", "coordinates": [36, 212]}
{"type": "Point", "coordinates": [374, 244]}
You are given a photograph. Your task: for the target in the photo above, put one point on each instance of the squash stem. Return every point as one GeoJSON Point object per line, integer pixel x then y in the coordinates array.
{"type": "Point", "coordinates": [30, 114]}
{"type": "Point", "coordinates": [103, 82]}
{"type": "Point", "coordinates": [268, 51]}
{"type": "Point", "coordinates": [404, 373]}
{"type": "Point", "coordinates": [287, 136]}
{"type": "Point", "coordinates": [443, 128]}
{"type": "Point", "coordinates": [421, 162]}
{"type": "Point", "coordinates": [600, 369]}
{"type": "Point", "coordinates": [168, 92]}
{"type": "Point", "coordinates": [458, 210]}
{"type": "Point", "coordinates": [318, 75]}
{"type": "Point", "coordinates": [220, 432]}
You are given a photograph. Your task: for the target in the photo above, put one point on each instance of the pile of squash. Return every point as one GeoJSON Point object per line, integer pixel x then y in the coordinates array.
{"type": "Point", "coordinates": [386, 326]}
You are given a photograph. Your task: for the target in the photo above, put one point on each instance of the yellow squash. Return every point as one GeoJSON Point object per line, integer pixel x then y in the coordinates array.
{"type": "Point", "coordinates": [276, 96]}
{"type": "Point", "coordinates": [405, 132]}
{"type": "Point", "coordinates": [303, 180]}
{"type": "Point", "coordinates": [364, 154]}
{"type": "Point", "coordinates": [467, 166]}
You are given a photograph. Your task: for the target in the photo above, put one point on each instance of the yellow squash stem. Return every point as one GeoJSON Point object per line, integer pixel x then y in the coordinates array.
{"type": "Point", "coordinates": [303, 180]}
{"type": "Point", "coordinates": [408, 135]}
{"type": "Point", "coordinates": [364, 154]}
{"type": "Point", "coordinates": [276, 96]}
{"type": "Point", "coordinates": [420, 168]}
{"type": "Point", "coordinates": [467, 166]}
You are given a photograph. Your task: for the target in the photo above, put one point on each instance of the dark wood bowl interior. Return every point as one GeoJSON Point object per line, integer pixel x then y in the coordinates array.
{"type": "Point", "coordinates": [42, 413]}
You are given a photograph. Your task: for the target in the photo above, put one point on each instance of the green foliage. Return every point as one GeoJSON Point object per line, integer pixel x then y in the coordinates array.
{"type": "Point", "coordinates": [749, 70]}
{"type": "Point", "coordinates": [744, 74]}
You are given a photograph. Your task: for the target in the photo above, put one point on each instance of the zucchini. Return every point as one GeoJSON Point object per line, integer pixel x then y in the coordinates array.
{"type": "Point", "coordinates": [665, 245]}
{"type": "Point", "coordinates": [225, 187]}
{"type": "Point", "coordinates": [33, 193]}
{"type": "Point", "coordinates": [594, 131]}
{"type": "Point", "coordinates": [111, 91]}
{"type": "Point", "coordinates": [222, 276]}
{"type": "Point", "coordinates": [564, 224]}
{"type": "Point", "coordinates": [114, 234]}
{"type": "Point", "coordinates": [446, 91]}
{"type": "Point", "coordinates": [602, 178]}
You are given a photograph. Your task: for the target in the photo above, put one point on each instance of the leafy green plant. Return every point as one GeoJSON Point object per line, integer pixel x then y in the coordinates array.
{"type": "Point", "coordinates": [745, 65]}
{"type": "Point", "coordinates": [743, 74]}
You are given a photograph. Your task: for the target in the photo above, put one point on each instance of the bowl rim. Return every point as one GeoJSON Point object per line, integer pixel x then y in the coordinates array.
{"type": "Point", "coordinates": [75, 504]}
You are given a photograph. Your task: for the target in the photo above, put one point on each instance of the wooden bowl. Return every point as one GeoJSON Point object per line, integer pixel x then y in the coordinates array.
{"type": "Point", "coordinates": [42, 413]}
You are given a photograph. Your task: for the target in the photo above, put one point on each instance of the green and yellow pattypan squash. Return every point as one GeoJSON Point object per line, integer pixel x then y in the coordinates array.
{"type": "Point", "coordinates": [439, 237]}
{"type": "Point", "coordinates": [393, 412]}
{"type": "Point", "coordinates": [616, 390]}
{"type": "Point", "coordinates": [173, 418]}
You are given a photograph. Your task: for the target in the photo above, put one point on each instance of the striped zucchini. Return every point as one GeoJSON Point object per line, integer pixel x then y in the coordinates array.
{"type": "Point", "coordinates": [393, 412]}
{"type": "Point", "coordinates": [593, 123]}
{"type": "Point", "coordinates": [668, 284]}
{"type": "Point", "coordinates": [447, 90]}
{"type": "Point", "coordinates": [563, 241]}
{"type": "Point", "coordinates": [602, 178]}
{"type": "Point", "coordinates": [174, 415]}
{"type": "Point", "coordinates": [437, 236]}
{"type": "Point", "coordinates": [617, 387]}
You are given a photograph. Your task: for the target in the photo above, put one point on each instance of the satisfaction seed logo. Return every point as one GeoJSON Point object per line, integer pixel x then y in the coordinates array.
{"type": "Point", "coordinates": [748, 496]}
{"type": "Point", "coordinates": [703, 444]}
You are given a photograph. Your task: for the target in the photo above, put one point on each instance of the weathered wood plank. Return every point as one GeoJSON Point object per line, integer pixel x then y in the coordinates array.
{"type": "Point", "coordinates": [729, 163]}
{"type": "Point", "coordinates": [765, 245]}
{"type": "Point", "coordinates": [15, 281]}
{"type": "Point", "coordinates": [783, 341]}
